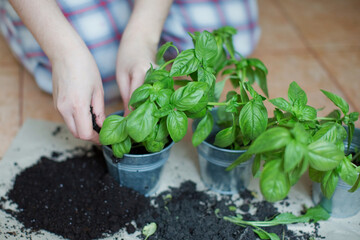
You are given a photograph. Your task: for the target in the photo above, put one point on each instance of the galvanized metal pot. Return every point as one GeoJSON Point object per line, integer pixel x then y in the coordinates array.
{"type": "Point", "coordinates": [343, 203]}
{"type": "Point", "coordinates": [140, 172]}
{"type": "Point", "coordinates": [214, 161]}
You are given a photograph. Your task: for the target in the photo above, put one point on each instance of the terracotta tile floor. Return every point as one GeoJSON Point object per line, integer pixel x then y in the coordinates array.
{"type": "Point", "coordinates": [315, 43]}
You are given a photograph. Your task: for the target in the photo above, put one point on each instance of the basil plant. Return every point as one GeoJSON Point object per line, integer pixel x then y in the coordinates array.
{"type": "Point", "coordinates": [296, 140]}
{"type": "Point", "coordinates": [185, 87]}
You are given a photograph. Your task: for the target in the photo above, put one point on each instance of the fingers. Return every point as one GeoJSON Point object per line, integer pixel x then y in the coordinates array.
{"type": "Point", "coordinates": [83, 122]}
{"type": "Point", "coordinates": [128, 82]}
{"type": "Point", "coordinates": [123, 81]}
{"type": "Point", "coordinates": [98, 106]}
{"type": "Point", "coordinates": [137, 80]}
{"type": "Point", "coordinates": [78, 118]}
{"type": "Point", "coordinates": [70, 123]}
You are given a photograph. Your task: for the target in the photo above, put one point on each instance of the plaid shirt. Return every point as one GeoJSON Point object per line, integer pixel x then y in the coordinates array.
{"type": "Point", "coordinates": [101, 23]}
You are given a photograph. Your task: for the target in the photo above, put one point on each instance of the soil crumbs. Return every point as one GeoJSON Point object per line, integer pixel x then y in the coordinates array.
{"type": "Point", "coordinates": [77, 199]}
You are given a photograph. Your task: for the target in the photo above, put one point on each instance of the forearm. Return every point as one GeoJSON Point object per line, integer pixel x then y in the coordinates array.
{"type": "Point", "coordinates": [50, 28]}
{"type": "Point", "coordinates": [147, 20]}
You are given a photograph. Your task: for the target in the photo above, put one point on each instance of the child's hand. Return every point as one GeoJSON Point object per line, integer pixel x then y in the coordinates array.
{"type": "Point", "coordinates": [139, 45]}
{"type": "Point", "coordinates": [133, 60]}
{"type": "Point", "coordinates": [77, 86]}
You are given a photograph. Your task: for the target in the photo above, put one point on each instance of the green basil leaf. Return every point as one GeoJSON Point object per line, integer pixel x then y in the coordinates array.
{"type": "Point", "coordinates": [206, 76]}
{"type": "Point", "coordinates": [294, 152]}
{"type": "Point", "coordinates": [219, 87]}
{"type": "Point", "coordinates": [274, 183]}
{"type": "Point", "coordinates": [315, 175]}
{"type": "Point", "coordinates": [279, 115]}
{"type": "Point", "coordinates": [289, 218]}
{"type": "Point", "coordinates": [256, 165]}
{"type": "Point", "coordinates": [164, 111]}
{"type": "Point", "coordinates": [329, 183]}
{"type": "Point", "coordinates": [226, 30]}
{"type": "Point", "coordinates": [203, 129]}
{"type": "Point", "coordinates": [298, 171]}
{"type": "Point", "coordinates": [177, 125]}
{"type": "Point", "coordinates": [242, 158]}
{"type": "Point", "coordinates": [348, 172]}
{"type": "Point", "coordinates": [198, 114]}
{"type": "Point", "coordinates": [181, 82]}
{"type": "Point", "coordinates": [250, 74]}
{"type": "Point", "coordinates": [356, 185]}
{"type": "Point", "coordinates": [228, 71]}
{"type": "Point", "coordinates": [281, 103]}
{"type": "Point", "coordinates": [308, 113]}
{"type": "Point", "coordinates": [338, 101]}
{"type": "Point", "coordinates": [159, 85]}
{"type": "Point", "coordinates": [242, 64]}
{"type": "Point", "coordinates": [351, 130]}
{"type": "Point", "coordinates": [154, 146]}
{"type": "Point", "coordinates": [162, 50]}
{"type": "Point", "coordinates": [193, 37]}
{"type": "Point", "coordinates": [235, 81]}
{"type": "Point", "coordinates": [149, 230]}
{"type": "Point", "coordinates": [124, 147]}
{"type": "Point", "coordinates": [163, 97]}
{"type": "Point", "coordinates": [206, 46]}
{"type": "Point", "coordinates": [257, 64]}
{"type": "Point", "coordinates": [185, 63]}
{"type": "Point", "coordinates": [149, 72]}
{"type": "Point", "coordinates": [354, 116]}
{"type": "Point", "coordinates": [301, 135]}
{"type": "Point", "coordinates": [162, 131]}
{"type": "Point", "coordinates": [272, 139]}
{"type": "Point", "coordinates": [218, 62]}
{"type": "Point", "coordinates": [141, 121]}
{"type": "Point", "coordinates": [225, 137]}
{"type": "Point", "coordinates": [265, 235]}
{"type": "Point", "coordinates": [230, 46]}
{"type": "Point", "coordinates": [231, 95]}
{"type": "Point", "coordinates": [331, 132]}
{"type": "Point", "coordinates": [335, 114]}
{"type": "Point", "coordinates": [187, 97]}
{"type": "Point", "coordinates": [140, 94]}
{"type": "Point", "coordinates": [324, 156]}
{"type": "Point", "coordinates": [113, 130]}
{"type": "Point", "coordinates": [296, 95]}
{"type": "Point", "coordinates": [209, 78]}
{"type": "Point", "coordinates": [260, 79]}
{"type": "Point", "coordinates": [252, 92]}
{"type": "Point", "coordinates": [253, 119]}
{"type": "Point", "coordinates": [317, 213]}
{"type": "Point", "coordinates": [158, 75]}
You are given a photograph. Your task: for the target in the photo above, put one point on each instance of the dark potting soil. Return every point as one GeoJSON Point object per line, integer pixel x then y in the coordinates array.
{"type": "Point", "coordinates": [93, 117]}
{"type": "Point", "coordinates": [77, 199]}
{"type": "Point", "coordinates": [184, 213]}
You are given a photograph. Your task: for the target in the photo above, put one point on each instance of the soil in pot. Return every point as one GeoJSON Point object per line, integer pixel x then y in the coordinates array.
{"type": "Point", "coordinates": [77, 199]}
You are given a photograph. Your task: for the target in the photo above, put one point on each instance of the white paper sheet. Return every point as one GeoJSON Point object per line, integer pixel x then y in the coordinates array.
{"type": "Point", "coordinates": [36, 139]}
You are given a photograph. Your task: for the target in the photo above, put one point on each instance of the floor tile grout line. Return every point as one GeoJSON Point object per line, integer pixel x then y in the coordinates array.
{"type": "Point", "coordinates": [21, 94]}
{"type": "Point", "coordinates": [313, 52]}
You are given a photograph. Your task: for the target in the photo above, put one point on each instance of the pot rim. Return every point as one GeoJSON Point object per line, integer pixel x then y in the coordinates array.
{"type": "Point", "coordinates": [128, 155]}
{"type": "Point", "coordinates": [222, 149]}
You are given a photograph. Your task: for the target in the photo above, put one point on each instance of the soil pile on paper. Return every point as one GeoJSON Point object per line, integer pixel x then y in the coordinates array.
{"type": "Point", "coordinates": [77, 199]}
{"type": "Point", "coordinates": [184, 213]}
